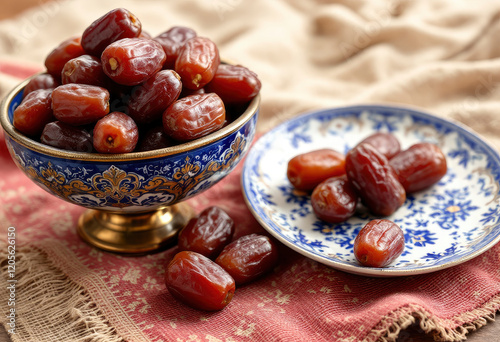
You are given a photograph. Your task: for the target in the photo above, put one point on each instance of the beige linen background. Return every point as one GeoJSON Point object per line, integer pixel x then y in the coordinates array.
{"type": "Point", "coordinates": [442, 56]}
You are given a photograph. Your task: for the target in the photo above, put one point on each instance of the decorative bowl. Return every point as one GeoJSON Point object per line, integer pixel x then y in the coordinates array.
{"type": "Point", "coordinates": [134, 200]}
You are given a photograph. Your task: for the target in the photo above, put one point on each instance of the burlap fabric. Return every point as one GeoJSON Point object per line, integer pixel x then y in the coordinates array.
{"type": "Point", "coordinates": [442, 56]}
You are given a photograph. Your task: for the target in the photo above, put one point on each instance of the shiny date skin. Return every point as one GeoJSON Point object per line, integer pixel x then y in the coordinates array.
{"type": "Point", "coordinates": [248, 257]}
{"type": "Point", "coordinates": [114, 25]}
{"type": "Point", "coordinates": [334, 200]}
{"type": "Point", "coordinates": [199, 282]}
{"type": "Point", "coordinates": [34, 112]}
{"type": "Point", "coordinates": [172, 41]}
{"type": "Point", "coordinates": [194, 116]}
{"type": "Point", "coordinates": [66, 137]}
{"type": "Point", "coordinates": [131, 61]}
{"type": "Point", "coordinates": [57, 58]}
{"type": "Point", "coordinates": [85, 69]}
{"type": "Point", "coordinates": [379, 243]}
{"type": "Point", "coordinates": [115, 133]}
{"type": "Point", "coordinates": [374, 180]}
{"type": "Point", "coordinates": [197, 62]}
{"type": "Point", "coordinates": [153, 139]}
{"type": "Point", "coordinates": [208, 233]}
{"type": "Point", "coordinates": [150, 99]}
{"type": "Point", "coordinates": [385, 143]}
{"type": "Point", "coordinates": [41, 81]}
{"type": "Point", "coordinates": [234, 84]}
{"type": "Point", "coordinates": [80, 104]}
{"type": "Point", "coordinates": [420, 166]}
{"type": "Point", "coordinates": [307, 170]}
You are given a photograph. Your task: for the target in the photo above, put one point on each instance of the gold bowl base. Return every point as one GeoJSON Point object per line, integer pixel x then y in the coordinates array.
{"type": "Point", "coordinates": [134, 233]}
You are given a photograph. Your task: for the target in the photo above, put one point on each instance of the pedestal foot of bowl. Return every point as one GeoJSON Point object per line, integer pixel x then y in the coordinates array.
{"type": "Point", "coordinates": [134, 233]}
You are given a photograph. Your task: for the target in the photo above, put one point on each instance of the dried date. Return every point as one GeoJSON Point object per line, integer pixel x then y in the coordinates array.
{"type": "Point", "coordinates": [114, 25]}
{"type": "Point", "coordinates": [34, 112]}
{"type": "Point", "coordinates": [57, 58]}
{"type": "Point", "coordinates": [79, 104]}
{"type": "Point", "coordinates": [307, 170]}
{"type": "Point", "coordinates": [199, 282]}
{"type": "Point", "coordinates": [248, 257]}
{"type": "Point", "coordinates": [420, 166]}
{"type": "Point", "coordinates": [85, 69]}
{"type": "Point", "coordinates": [208, 233]}
{"type": "Point", "coordinates": [334, 200]}
{"type": "Point", "coordinates": [379, 243]}
{"type": "Point", "coordinates": [41, 81]}
{"type": "Point", "coordinates": [385, 143]}
{"type": "Point", "coordinates": [150, 99]}
{"type": "Point", "coordinates": [172, 40]}
{"type": "Point", "coordinates": [154, 139]}
{"type": "Point", "coordinates": [234, 84]}
{"type": "Point", "coordinates": [115, 133]}
{"type": "Point", "coordinates": [197, 62]}
{"type": "Point", "coordinates": [131, 61]}
{"type": "Point", "coordinates": [194, 116]}
{"type": "Point", "coordinates": [60, 135]}
{"type": "Point", "coordinates": [374, 179]}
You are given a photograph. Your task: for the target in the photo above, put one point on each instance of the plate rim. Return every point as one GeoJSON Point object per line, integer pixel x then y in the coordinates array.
{"type": "Point", "coordinates": [358, 269]}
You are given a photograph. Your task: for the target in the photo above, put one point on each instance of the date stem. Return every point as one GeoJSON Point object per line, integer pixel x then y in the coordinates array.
{"type": "Point", "coordinates": [113, 63]}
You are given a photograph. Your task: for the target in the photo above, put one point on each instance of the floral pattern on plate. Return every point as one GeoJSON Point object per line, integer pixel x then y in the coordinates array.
{"type": "Point", "coordinates": [449, 223]}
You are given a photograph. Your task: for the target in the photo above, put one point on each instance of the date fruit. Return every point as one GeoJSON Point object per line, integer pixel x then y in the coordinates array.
{"type": "Point", "coordinates": [41, 81]}
{"type": "Point", "coordinates": [85, 69]}
{"type": "Point", "coordinates": [115, 133]}
{"type": "Point", "coordinates": [385, 143]}
{"type": "Point", "coordinates": [154, 139]}
{"type": "Point", "coordinates": [420, 166]}
{"type": "Point", "coordinates": [248, 257]}
{"type": "Point", "coordinates": [116, 66]}
{"type": "Point", "coordinates": [334, 200]}
{"type": "Point", "coordinates": [199, 282]}
{"type": "Point", "coordinates": [79, 104]}
{"type": "Point", "coordinates": [379, 243]}
{"type": "Point", "coordinates": [114, 25]}
{"type": "Point", "coordinates": [68, 49]}
{"type": "Point", "coordinates": [374, 180]}
{"type": "Point", "coordinates": [172, 41]}
{"type": "Point", "coordinates": [197, 62]}
{"type": "Point", "coordinates": [131, 61]}
{"type": "Point", "coordinates": [34, 112]}
{"type": "Point", "coordinates": [150, 99]}
{"type": "Point", "coordinates": [60, 135]}
{"type": "Point", "coordinates": [208, 233]}
{"type": "Point", "coordinates": [307, 170]}
{"type": "Point", "coordinates": [194, 116]}
{"type": "Point", "coordinates": [234, 84]}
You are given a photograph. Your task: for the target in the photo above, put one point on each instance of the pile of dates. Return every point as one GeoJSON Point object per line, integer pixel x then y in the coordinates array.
{"type": "Point", "coordinates": [376, 173]}
{"type": "Point", "coordinates": [209, 264]}
{"type": "Point", "coordinates": [116, 89]}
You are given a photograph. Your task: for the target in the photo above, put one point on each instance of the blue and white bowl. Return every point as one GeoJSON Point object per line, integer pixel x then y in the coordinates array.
{"type": "Point", "coordinates": [133, 182]}
{"type": "Point", "coordinates": [444, 225]}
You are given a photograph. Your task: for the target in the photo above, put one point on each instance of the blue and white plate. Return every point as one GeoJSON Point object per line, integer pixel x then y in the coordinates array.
{"type": "Point", "coordinates": [445, 225]}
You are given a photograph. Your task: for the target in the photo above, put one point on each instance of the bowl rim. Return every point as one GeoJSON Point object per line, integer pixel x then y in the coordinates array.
{"type": "Point", "coordinates": [17, 136]}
